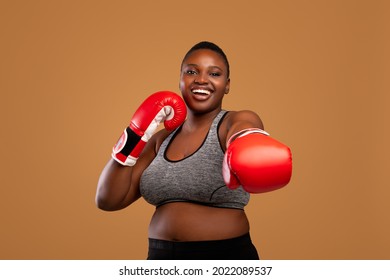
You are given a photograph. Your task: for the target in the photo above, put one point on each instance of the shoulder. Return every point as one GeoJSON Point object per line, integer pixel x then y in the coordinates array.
{"type": "Point", "coordinates": [159, 137]}
{"type": "Point", "coordinates": [243, 119]}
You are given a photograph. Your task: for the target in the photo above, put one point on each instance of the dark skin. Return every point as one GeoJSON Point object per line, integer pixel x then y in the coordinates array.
{"type": "Point", "coordinates": [203, 84]}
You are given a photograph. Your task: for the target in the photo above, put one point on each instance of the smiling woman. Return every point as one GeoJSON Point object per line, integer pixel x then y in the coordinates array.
{"type": "Point", "coordinates": [200, 170]}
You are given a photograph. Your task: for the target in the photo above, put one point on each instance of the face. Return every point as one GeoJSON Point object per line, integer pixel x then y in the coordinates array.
{"type": "Point", "coordinates": [204, 81]}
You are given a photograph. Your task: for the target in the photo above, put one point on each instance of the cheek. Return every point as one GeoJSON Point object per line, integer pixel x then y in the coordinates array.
{"type": "Point", "coordinates": [183, 83]}
{"type": "Point", "coordinates": [221, 85]}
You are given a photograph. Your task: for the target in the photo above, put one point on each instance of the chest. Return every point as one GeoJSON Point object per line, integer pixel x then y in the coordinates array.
{"type": "Point", "coordinates": [185, 144]}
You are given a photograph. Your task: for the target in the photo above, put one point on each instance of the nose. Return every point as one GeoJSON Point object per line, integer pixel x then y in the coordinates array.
{"type": "Point", "coordinates": [201, 78]}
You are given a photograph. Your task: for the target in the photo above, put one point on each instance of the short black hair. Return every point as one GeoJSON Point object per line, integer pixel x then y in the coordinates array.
{"type": "Point", "coordinates": [209, 46]}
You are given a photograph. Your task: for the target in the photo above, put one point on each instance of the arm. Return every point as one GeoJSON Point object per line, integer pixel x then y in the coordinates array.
{"type": "Point", "coordinates": [241, 120]}
{"type": "Point", "coordinates": [118, 185]}
{"type": "Point", "coordinates": [253, 159]}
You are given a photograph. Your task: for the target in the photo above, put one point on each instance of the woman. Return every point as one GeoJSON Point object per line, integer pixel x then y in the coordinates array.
{"type": "Point", "coordinates": [196, 216]}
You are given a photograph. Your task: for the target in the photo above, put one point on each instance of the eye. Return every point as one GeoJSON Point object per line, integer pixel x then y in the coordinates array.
{"type": "Point", "coordinates": [190, 72]}
{"type": "Point", "coordinates": [215, 74]}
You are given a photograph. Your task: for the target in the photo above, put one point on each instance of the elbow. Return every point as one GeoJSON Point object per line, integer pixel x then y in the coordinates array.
{"type": "Point", "coordinates": [104, 204]}
{"type": "Point", "coordinates": [108, 204]}
{"type": "Point", "coordinates": [106, 207]}
{"type": "Point", "coordinates": [101, 204]}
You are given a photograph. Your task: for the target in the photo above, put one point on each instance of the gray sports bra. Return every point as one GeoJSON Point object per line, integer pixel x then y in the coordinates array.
{"type": "Point", "coordinates": [196, 178]}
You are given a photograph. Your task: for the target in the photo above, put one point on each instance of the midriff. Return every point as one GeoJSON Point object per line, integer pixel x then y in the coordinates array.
{"type": "Point", "coordinates": [183, 221]}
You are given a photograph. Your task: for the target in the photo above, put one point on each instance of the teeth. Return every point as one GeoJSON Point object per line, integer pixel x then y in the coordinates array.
{"type": "Point", "coordinates": [203, 91]}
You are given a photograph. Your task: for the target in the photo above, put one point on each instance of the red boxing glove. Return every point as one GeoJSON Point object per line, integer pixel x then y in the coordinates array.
{"type": "Point", "coordinates": [256, 162]}
{"type": "Point", "coordinates": [162, 105]}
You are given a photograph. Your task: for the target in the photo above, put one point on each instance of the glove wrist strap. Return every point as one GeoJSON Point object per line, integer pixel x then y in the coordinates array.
{"type": "Point", "coordinates": [245, 132]}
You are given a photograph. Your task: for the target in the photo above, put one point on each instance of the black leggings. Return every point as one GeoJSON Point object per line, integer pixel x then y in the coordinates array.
{"type": "Point", "coordinates": [239, 248]}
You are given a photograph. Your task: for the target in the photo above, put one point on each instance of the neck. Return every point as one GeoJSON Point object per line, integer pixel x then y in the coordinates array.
{"type": "Point", "coordinates": [198, 121]}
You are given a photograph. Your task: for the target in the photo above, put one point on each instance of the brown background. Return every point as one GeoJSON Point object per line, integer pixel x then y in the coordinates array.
{"type": "Point", "coordinates": [73, 72]}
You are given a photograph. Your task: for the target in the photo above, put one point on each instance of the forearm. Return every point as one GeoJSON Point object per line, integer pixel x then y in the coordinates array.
{"type": "Point", "coordinates": [114, 190]}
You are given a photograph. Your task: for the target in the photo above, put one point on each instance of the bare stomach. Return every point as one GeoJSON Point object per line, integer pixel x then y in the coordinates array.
{"type": "Point", "coordinates": [182, 221]}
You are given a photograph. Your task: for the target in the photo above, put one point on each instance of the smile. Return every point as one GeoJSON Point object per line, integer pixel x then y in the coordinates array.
{"type": "Point", "coordinates": [201, 91]}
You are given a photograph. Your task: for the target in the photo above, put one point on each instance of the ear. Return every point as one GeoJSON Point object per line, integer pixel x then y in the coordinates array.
{"type": "Point", "coordinates": [227, 88]}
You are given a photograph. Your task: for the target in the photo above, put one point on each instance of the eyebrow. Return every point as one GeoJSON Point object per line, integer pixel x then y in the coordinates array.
{"type": "Point", "coordinates": [196, 65]}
